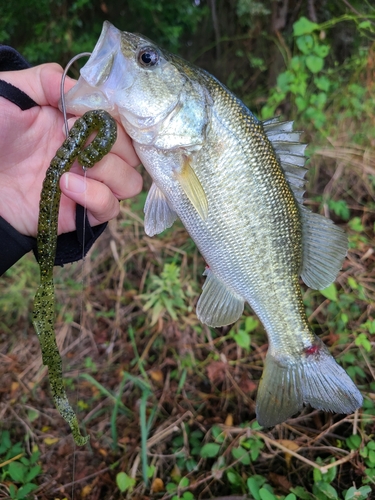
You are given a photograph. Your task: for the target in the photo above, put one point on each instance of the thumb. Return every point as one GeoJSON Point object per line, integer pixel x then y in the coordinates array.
{"type": "Point", "coordinates": [41, 83]}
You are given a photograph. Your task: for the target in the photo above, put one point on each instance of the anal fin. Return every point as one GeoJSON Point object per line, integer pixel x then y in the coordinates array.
{"type": "Point", "coordinates": [218, 306]}
{"type": "Point", "coordinates": [158, 214]}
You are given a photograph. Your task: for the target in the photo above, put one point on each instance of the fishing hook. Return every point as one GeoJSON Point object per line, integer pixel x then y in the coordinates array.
{"type": "Point", "coordinates": [62, 96]}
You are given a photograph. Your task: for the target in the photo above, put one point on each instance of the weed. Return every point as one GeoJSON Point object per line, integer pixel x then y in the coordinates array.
{"type": "Point", "coordinates": [17, 470]}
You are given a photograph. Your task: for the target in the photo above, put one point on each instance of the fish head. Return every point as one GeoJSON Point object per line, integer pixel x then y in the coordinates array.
{"type": "Point", "coordinates": [131, 78]}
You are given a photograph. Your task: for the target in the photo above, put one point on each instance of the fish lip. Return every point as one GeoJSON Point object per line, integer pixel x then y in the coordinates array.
{"type": "Point", "coordinates": [83, 97]}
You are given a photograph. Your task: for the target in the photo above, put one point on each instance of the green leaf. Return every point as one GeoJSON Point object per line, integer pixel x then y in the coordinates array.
{"type": "Point", "coordinates": [330, 292]}
{"type": "Point", "coordinates": [242, 338]}
{"type": "Point", "coordinates": [254, 487]}
{"type": "Point", "coordinates": [302, 493]}
{"type": "Point", "coordinates": [364, 25]}
{"type": "Point", "coordinates": [356, 225]}
{"type": "Point", "coordinates": [305, 43]}
{"type": "Point", "coordinates": [150, 470]}
{"type": "Point", "coordinates": [33, 472]}
{"type": "Point", "coordinates": [314, 63]}
{"type": "Point", "coordinates": [124, 482]}
{"type": "Point", "coordinates": [283, 81]}
{"type": "Point", "coordinates": [327, 489]}
{"type": "Point", "coordinates": [251, 324]}
{"type": "Point", "coordinates": [184, 483]}
{"type": "Point", "coordinates": [371, 457]}
{"type": "Point", "coordinates": [12, 491]}
{"type": "Point", "coordinates": [32, 415]}
{"type": "Point", "coordinates": [354, 441]}
{"type": "Point", "coordinates": [209, 450]}
{"type": "Point", "coordinates": [234, 478]}
{"type": "Point", "coordinates": [266, 495]}
{"type": "Point", "coordinates": [301, 103]}
{"type": "Point", "coordinates": [291, 496]}
{"type": "Point", "coordinates": [321, 50]}
{"type": "Point", "coordinates": [17, 471]}
{"type": "Point", "coordinates": [362, 340]}
{"type": "Point", "coordinates": [242, 455]}
{"type": "Point", "coordinates": [361, 494]}
{"type": "Point", "coordinates": [322, 82]}
{"type": "Point", "coordinates": [24, 491]}
{"type": "Point", "coordinates": [5, 442]}
{"type": "Point", "coordinates": [303, 26]}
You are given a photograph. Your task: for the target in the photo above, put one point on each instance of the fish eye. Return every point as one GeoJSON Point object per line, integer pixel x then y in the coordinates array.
{"type": "Point", "coordinates": [148, 57]}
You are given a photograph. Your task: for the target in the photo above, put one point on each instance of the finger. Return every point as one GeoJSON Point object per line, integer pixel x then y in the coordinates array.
{"type": "Point", "coordinates": [123, 147]}
{"type": "Point", "coordinates": [122, 179]}
{"type": "Point", "coordinates": [41, 83]}
{"type": "Point", "coordinates": [99, 200]}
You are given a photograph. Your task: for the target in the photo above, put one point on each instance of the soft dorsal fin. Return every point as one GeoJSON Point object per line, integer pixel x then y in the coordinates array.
{"type": "Point", "coordinates": [324, 249]}
{"type": "Point", "coordinates": [158, 213]}
{"type": "Point", "coordinates": [324, 244]}
{"type": "Point", "coordinates": [218, 306]}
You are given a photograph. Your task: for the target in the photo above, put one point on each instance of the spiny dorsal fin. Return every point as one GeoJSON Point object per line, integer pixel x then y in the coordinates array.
{"type": "Point", "coordinates": [218, 306]}
{"type": "Point", "coordinates": [158, 214]}
{"type": "Point", "coordinates": [290, 152]}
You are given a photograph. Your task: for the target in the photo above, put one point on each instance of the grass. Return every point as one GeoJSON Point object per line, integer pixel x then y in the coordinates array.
{"type": "Point", "coordinates": [169, 403]}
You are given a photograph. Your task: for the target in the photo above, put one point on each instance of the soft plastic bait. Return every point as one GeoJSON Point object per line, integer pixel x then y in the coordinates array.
{"type": "Point", "coordinates": [44, 304]}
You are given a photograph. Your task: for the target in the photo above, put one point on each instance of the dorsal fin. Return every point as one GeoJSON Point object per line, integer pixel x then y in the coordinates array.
{"type": "Point", "coordinates": [324, 244]}
{"type": "Point", "coordinates": [290, 152]}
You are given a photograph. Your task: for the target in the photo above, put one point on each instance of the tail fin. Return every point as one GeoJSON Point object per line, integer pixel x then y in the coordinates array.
{"type": "Point", "coordinates": [313, 378]}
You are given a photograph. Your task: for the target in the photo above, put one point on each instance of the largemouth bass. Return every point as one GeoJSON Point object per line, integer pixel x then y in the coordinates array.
{"type": "Point", "coordinates": [237, 185]}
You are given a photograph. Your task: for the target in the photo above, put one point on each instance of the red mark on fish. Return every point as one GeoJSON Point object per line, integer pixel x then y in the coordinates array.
{"type": "Point", "coordinates": [313, 349]}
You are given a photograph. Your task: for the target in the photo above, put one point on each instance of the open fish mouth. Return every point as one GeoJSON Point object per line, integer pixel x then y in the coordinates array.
{"type": "Point", "coordinates": [103, 76]}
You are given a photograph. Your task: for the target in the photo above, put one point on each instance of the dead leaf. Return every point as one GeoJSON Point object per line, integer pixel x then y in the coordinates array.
{"type": "Point", "coordinates": [50, 441]}
{"type": "Point", "coordinates": [216, 371]}
{"type": "Point", "coordinates": [291, 445]}
{"type": "Point", "coordinates": [157, 485]}
{"type": "Point", "coordinates": [157, 376]}
{"type": "Point", "coordinates": [280, 481]}
{"type": "Point", "coordinates": [229, 420]}
{"type": "Point", "coordinates": [86, 490]}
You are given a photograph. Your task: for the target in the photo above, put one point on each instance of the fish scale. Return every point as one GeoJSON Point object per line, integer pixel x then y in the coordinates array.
{"type": "Point", "coordinates": [237, 185]}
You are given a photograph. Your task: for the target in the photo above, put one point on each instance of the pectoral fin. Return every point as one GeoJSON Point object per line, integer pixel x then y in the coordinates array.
{"type": "Point", "coordinates": [158, 214]}
{"type": "Point", "coordinates": [218, 306]}
{"type": "Point", "coordinates": [193, 188]}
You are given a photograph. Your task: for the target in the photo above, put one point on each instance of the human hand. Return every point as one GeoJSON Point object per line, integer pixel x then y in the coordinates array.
{"type": "Point", "coordinates": [28, 142]}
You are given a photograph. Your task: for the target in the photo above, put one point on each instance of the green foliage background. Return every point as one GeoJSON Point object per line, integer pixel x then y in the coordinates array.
{"type": "Point", "coordinates": [311, 61]}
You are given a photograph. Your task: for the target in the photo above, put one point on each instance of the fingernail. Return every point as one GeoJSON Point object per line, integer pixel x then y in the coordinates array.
{"type": "Point", "coordinates": [75, 183]}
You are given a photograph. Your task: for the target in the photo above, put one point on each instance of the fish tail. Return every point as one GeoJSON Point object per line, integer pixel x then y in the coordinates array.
{"type": "Point", "coordinates": [312, 377]}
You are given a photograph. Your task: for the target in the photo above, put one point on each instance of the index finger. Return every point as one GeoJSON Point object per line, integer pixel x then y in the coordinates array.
{"type": "Point", "coordinates": [123, 147]}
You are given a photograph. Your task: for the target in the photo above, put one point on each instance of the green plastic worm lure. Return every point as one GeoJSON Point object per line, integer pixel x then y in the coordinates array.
{"type": "Point", "coordinates": [44, 303]}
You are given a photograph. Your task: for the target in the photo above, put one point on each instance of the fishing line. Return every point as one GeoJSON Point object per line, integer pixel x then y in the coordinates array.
{"type": "Point", "coordinates": [63, 109]}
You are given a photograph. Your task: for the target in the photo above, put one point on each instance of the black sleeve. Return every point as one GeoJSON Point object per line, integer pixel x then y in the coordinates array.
{"type": "Point", "coordinates": [13, 245]}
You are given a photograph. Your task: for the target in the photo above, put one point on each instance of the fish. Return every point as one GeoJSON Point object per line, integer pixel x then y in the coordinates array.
{"type": "Point", "coordinates": [237, 185]}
